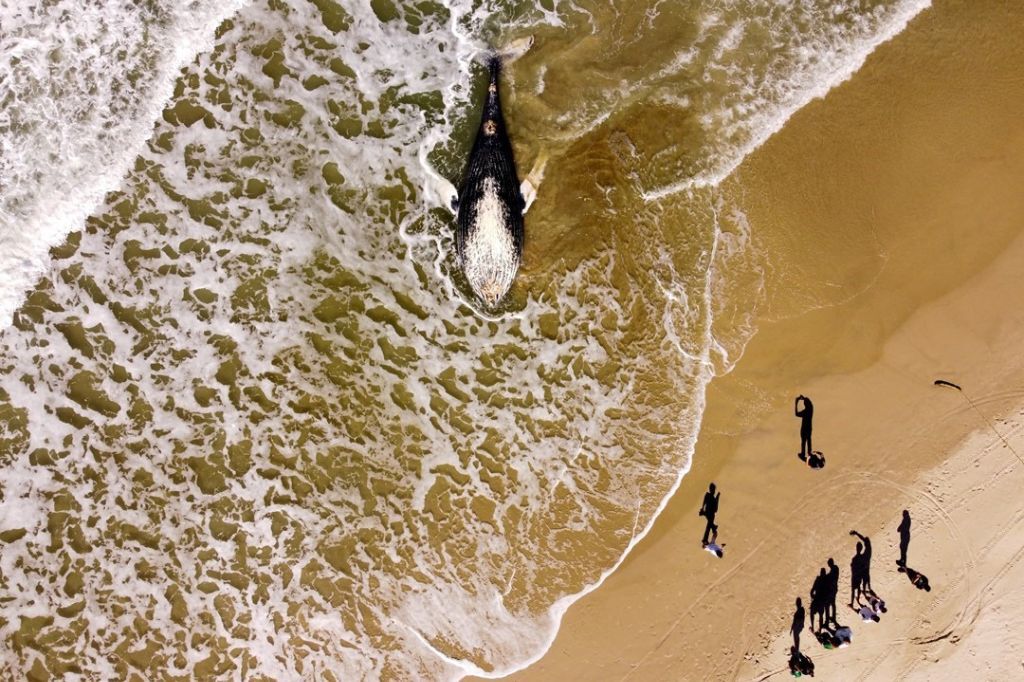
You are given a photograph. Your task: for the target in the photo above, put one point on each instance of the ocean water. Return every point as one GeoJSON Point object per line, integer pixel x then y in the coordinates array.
{"type": "Point", "coordinates": [251, 422]}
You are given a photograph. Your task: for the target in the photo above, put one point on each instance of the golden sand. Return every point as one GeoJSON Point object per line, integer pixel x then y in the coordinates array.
{"type": "Point", "coordinates": [897, 199]}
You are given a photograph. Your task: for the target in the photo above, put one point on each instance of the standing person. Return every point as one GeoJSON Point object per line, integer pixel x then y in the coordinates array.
{"type": "Point", "coordinates": [833, 591]}
{"type": "Point", "coordinates": [904, 531]}
{"type": "Point", "coordinates": [805, 415]}
{"type": "Point", "coordinates": [798, 624]}
{"type": "Point", "coordinates": [708, 510]}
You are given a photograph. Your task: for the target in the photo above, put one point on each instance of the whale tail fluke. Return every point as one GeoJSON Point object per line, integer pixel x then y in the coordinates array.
{"type": "Point", "coordinates": [506, 54]}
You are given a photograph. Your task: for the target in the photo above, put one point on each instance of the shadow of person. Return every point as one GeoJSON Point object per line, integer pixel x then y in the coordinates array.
{"type": "Point", "coordinates": [832, 592]}
{"type": "Point", "coordinates": [708, 509]}
{"type": "Point", "coordinates": [917, 579]}
{"type": "Point", "coordinates": [806, 418]}
{"type": "Point", "coordinates": [799, 664]}
{"type": "Point", "coordinates": [819, 597]}
{"type": "Point", "coordinates": [904, 531]}
{"type": "Point", "coordinates": [798, 623]}
{"type": "Point", "coordinates": [860, 569]}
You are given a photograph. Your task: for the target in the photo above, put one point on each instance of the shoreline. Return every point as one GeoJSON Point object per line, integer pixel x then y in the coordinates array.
{"type": "Point", "coordinates": [868, 362]}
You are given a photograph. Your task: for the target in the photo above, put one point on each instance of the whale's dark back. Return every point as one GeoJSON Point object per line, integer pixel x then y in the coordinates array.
{"type": "Point", "coordinates": [491, 157]}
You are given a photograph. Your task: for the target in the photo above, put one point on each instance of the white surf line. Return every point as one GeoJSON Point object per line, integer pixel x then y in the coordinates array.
{"type": "Point", "coordinates": [847, 69]}
{"type": "Point", "coordinates": [558, 610]}
{"type": "Point", "coordinates": [466, 667]}
{"type": "Point", "coordinates": [23, 265]}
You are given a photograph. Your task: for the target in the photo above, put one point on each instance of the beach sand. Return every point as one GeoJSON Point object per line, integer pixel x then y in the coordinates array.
{"type": "Point", "coordinates": [895, 204]}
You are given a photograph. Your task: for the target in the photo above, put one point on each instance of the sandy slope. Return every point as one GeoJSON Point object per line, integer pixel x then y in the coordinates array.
{"type": "Point", "coordinates": [968, 530]}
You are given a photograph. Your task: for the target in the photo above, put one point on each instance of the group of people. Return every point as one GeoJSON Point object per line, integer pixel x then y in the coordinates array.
{"type": "Point", "coordinates": [863, 598]}
{"type": "Point", "coordinates": [830, 633]}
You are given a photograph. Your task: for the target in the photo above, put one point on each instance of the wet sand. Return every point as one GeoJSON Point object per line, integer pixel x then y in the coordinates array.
{"type": "Point", "coordinates": [895, 204]}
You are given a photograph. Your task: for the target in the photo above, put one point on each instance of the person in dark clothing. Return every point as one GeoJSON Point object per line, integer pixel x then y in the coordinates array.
{"type": "Point", "coordinates": [799, 664]}
{"type": "Point", "coordinates": [919, 580]}
{"type": "Point", "coordinates": [834, 638]}
{"type": "Point", "coordinates": [708, 510]}
{"type": "Point", "coordinates": [798, 623]}
{"type": "Point", "coordinates": [805, 415]}
{"type": "Point", "coordinates": [833, 591]}
{"type": "Point", "coordinates": [717, 549]}
{"type": "Point", "coordinates": [904, 531]}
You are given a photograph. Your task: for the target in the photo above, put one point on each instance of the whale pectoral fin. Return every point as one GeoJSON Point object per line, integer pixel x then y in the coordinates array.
{"type": "Point", "coordinates": [446, 192]}
{"type": "Point", "coordinates": [527, 193]}
{"type": "Point", "coordinates": [528, 188]}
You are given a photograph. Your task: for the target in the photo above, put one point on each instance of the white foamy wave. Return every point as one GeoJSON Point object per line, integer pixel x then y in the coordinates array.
{"type": "Point", "coordinates": [254, 413]}
{"type": "Point", "coordinates": [80, 85]}
{"type": "Point", "coordinates": [730, 77]}
{"type": "Point", "coordinates": [817, 61]}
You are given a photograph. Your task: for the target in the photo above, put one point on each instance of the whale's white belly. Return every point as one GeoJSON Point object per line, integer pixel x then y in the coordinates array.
{"type": "Point", "coordinates": [490, 260]}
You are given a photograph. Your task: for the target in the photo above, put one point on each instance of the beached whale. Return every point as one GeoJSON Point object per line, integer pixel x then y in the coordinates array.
{"type": "Point", "coordinates": [489, 237]}
{"type": "Point", "coordinates": [490, 204]}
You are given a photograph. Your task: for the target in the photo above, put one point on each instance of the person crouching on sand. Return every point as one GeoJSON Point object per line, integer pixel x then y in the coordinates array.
{"type": "Point", "coordinates": [837, 638]}
{"type": "Point", "coordinates": [868, 615]}
{"type": "Point", "coordinates": [799, 664]}
{"type": "Point", "coordinates": [717, 549]}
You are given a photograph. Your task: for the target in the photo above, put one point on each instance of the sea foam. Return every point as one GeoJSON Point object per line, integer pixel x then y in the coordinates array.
{"type": "Point", "coordinates": [254, 410]}
{"type": "Point", "coordinates": [81, 85]}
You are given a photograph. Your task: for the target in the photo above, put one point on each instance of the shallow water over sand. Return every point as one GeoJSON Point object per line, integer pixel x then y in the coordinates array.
{"type": "Point", "coordinates": [253, 423]}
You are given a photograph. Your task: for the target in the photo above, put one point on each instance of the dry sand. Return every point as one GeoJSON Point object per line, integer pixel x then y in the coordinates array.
{"type": "Point", "coordinates": [916, 166]}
